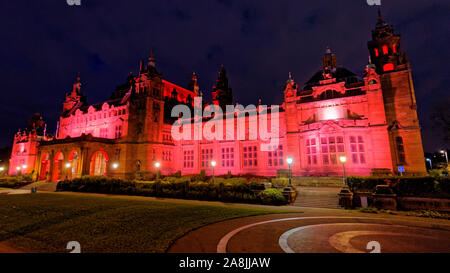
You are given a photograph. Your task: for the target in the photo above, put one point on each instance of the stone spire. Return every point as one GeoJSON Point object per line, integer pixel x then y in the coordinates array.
{"type": "Point", "coordinates": [193, 85]}
{"type": "Point", "coordinates": [151, 59]}
{"type": "Point", "coordinates": [222, 93]}
{"type": "Point", "coordinates": [76, 90]}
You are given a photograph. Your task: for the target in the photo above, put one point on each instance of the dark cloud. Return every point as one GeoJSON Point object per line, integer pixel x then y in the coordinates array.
{"type": "Point", "coordinates": [45, 43]}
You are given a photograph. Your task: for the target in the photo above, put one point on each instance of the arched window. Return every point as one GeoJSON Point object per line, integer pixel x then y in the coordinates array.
{"type": "Point", "coordinates": [394, 48]}
{"type": "Point", "coordinates": [400, 150]}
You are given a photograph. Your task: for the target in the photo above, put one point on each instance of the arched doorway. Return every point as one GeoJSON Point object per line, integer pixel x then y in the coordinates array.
{"type": "Point", "coordinates": [99, 162]}
{"type": "Point", "coordinates": [74, 161]}
{"type": "Point", "coordinates": [45, 167]}
{"type": "Point", "coordinates": [58, 166]}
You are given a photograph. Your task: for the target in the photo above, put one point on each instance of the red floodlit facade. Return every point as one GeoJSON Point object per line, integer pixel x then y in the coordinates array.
{"type": "Point", "coordinates": [372, 120]}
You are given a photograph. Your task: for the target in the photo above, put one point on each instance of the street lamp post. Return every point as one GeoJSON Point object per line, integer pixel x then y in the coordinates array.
{"type": "Point", "coordinates": [289, 161]}
{"type": "Point", "coordinates": [343, 159]}
{"type": "Point", "coordinates": [446, 155]}
{"type": "Point", "coordinates": [213, 164]}
{"type": "Point", "coordinates": [157, 165]}
{"type": "Point", "coordinates": [429, 161]}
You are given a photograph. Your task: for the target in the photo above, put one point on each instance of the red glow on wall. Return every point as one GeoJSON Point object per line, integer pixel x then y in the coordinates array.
{"type": "Point", "coordinates": [388, 67]}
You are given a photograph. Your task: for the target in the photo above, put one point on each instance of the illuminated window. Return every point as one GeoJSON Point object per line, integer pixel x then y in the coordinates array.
{"type": "Point", "coordinates": [388, 67]}
{"type": "Point", "coordinates": [394, 48]}
{"type": "Point", "coordinates": [275, 157]}
{"type": "Point", "coordinates": [207, 155]}
{"type": "Point", "coordinates": [118, 132]}
{"type": "Point", "coordinates": [376, 52]}
{"type": "Point", "coordinates": [167, 155]}
{"type": "Point", "coordinates": [189, 159]}
{"type": "Point", "coordinates": [228, 157]}
{"type": "Point", "coordinates": [357, 150]}
{"type": "Point", "coordinates": [400, 150]}
{"type": "Point", "coordinates": [250, 156]}
{"type": "Point", "coordinates": [104, 132]}
{"type": "Point", "coordinates": [385, 50]}
{"type": "Point", "coordinates": [330, 146]}
{"type": "Point", "coordinates": [311, 151]}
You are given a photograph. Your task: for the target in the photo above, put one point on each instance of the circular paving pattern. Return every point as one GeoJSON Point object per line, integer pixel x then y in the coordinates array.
{"type": "Point", "coordinates": [333, 235]}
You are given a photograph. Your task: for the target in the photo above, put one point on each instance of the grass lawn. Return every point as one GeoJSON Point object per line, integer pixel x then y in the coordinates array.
{"type": "Point", "coordinates": [46, 222]}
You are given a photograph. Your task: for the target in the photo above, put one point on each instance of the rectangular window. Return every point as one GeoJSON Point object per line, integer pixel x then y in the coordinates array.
{"type": "Point", "coordinates": [206, 155]}
{"type": "Point", "coordinates": [357, 149]}
{"type": "Point", "coordinates": [118, 132]}
{"type": "Point", "coordinates": [400, 150]}
{"type": "Point", "coordinates": [167, 155]}
{"type": "Point", "coordinates": [104, 132]}
{"type": "Point", "coordinates": [275, 157]}
{"type": "Point", "coordinates": [330, 146]}
{"type": "Point", "coordinates": [250, 156]}
{"type": "Point", "coordinates": [311, 151]}
{"type": "Point", "coordinates": [228, 157]}
{"type": "Point", "coordinates": [188, 159]}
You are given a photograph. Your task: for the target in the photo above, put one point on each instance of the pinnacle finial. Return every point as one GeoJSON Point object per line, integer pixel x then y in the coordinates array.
{"type": "Point", "coordinates": [328, 50]}
{"type": "Point", "coordinates": [151, 58]}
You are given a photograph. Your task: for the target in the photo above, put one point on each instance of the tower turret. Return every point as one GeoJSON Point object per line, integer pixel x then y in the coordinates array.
{"type": "Point", "coordinates": [222, 93]}
{"type": "Point", "coordinates": [75, 98]}
{"type": "Point", "coordinates": [385, 48]}
{"type": "Point", "coordinates": [193, 84]}
{"type": "Point", "coordinates": [398, 96]}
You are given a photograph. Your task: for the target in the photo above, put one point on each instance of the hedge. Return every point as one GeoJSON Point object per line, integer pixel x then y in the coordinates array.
{"type": "Point", "coordinates": [426, 186]}
{"type": "Point", "coordinates": [230, 190]}
{"type": "Point", "coordinates": [15, 181]}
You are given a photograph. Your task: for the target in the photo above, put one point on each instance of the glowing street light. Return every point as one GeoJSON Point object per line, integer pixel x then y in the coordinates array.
{"type": "Point", "coordinates": [2, 169]}
{"type": "Point", "coordinates": [213, 164]}
{"type": "Point", "coordinates": [18, 168]}
{"type": "Point", "coordinates": [289, 161]}
{"type": "Point", "coordinates": [157, 165]}
{"type": "Point", "coordinates": [115, 165]}
{"type": "Point", "coordinates": [24, 166]}
{"type": "Point", "coordinates": [343, 159]}
{"type": "Point", "coordinates": [67, 165]}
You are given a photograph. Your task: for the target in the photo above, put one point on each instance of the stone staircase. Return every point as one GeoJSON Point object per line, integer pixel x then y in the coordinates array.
{"type": "Point", "coordinates": [316, 197]}
{"type": "Point", "coordinates": [41, 186]}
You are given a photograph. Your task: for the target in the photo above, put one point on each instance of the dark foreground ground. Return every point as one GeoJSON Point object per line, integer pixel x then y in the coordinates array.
{"type": "Point", "coordinates": [46, 222]}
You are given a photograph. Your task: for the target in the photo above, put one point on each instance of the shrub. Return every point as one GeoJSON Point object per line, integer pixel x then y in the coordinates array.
{"type": "Point", "coordinates": [15, 181]}
{"type": "Point", "coordinates": [272, 197]}
{"type": "Point", "coordinates": [403, 186]}
{"type": "Point", "coordinates": [280, 182]}
{"type": "Point", "coordinates": [202, 176]}
{"type": "Point", "coordinates": [233, 190]}
{"type": "Point", "coordinates": [383, 189]}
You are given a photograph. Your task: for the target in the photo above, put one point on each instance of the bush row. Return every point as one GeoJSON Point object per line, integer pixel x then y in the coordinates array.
{"type": "Point", "coordinates": [404, 186]}
{"type": "Point", "coordinates": [15, 181]}
{"type": "Point", "coordinates": [229, 190]}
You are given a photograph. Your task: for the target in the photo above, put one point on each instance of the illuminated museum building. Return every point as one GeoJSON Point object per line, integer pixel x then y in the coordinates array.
{"type": "Point", "coordinates": [372, 121]}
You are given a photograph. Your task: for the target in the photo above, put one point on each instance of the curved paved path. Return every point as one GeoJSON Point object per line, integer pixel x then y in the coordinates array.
{"type": "Point", "coordinates": [318, 231]}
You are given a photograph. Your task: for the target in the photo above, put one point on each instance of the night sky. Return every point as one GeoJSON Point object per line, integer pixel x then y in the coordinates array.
{"type": "Point", "coordinates": [44, 44]}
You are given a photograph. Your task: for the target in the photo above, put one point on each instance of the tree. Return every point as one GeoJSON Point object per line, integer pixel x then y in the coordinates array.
{"type": "Point", "coordinates": [441, 117]}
